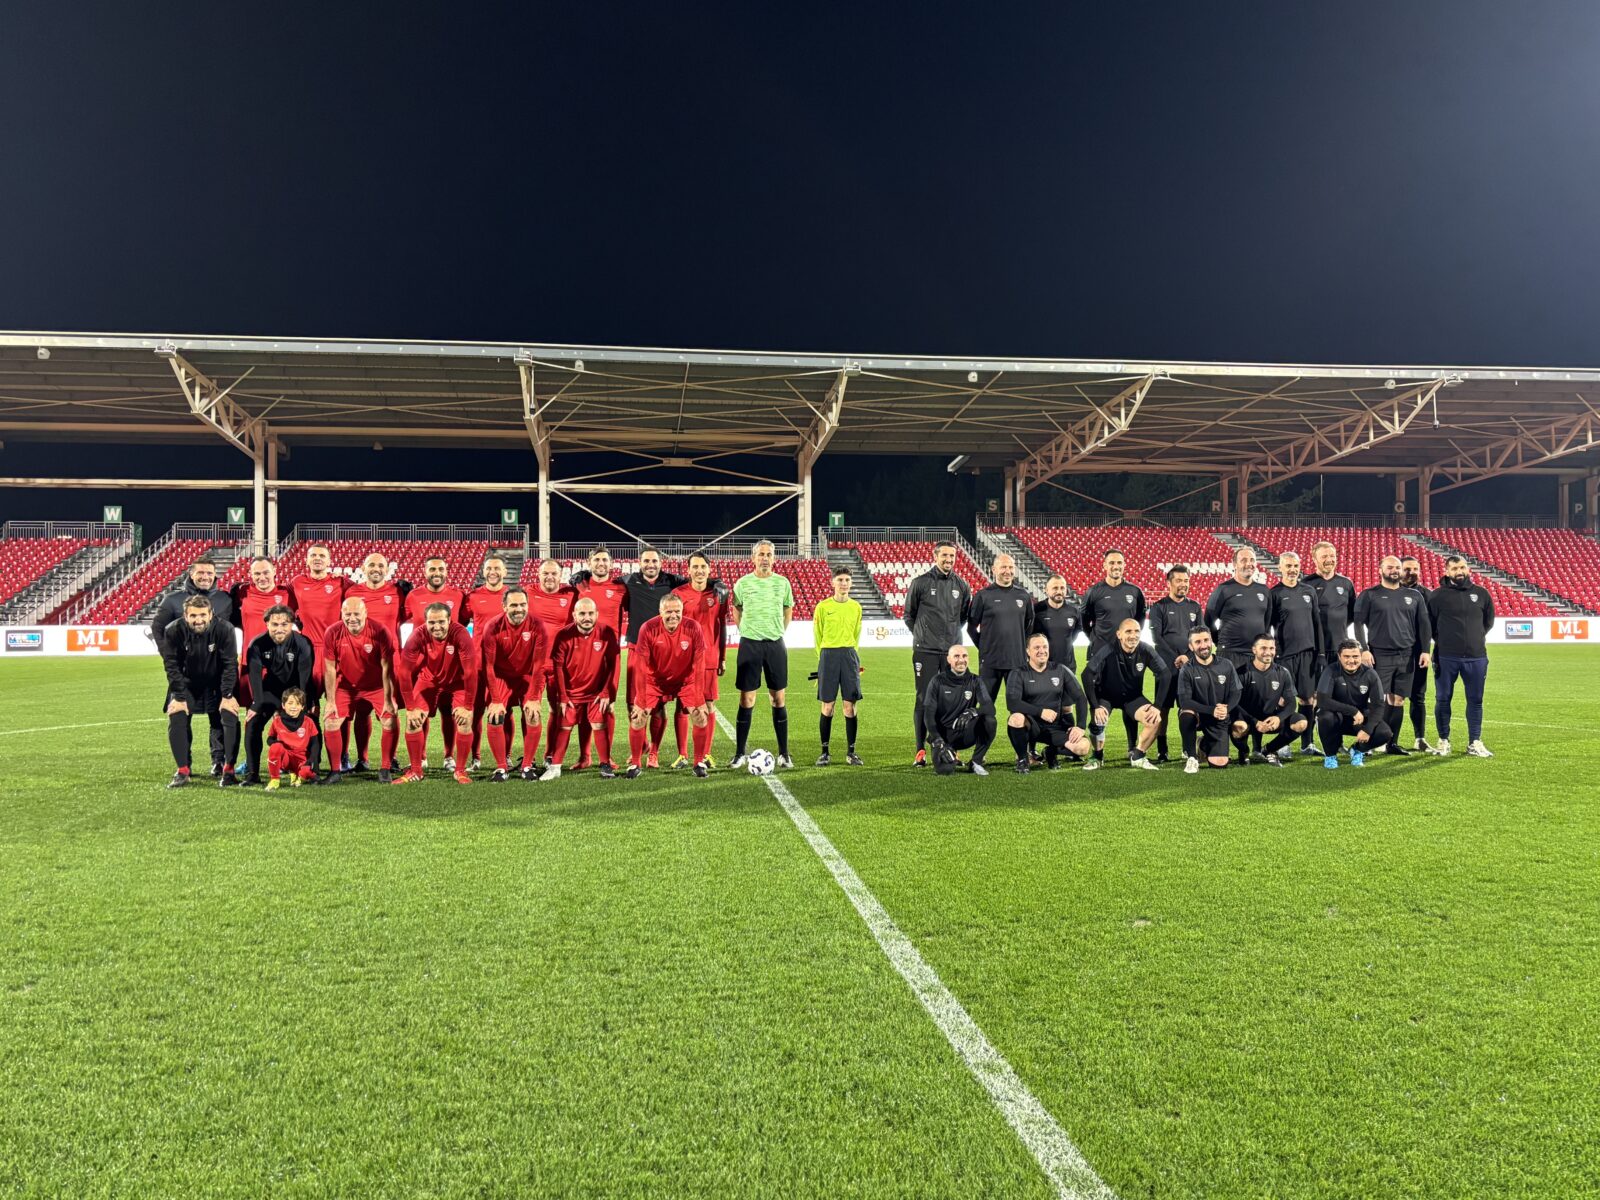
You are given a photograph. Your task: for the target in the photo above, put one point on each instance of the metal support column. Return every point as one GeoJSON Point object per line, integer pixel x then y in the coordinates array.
{"type": "Point", "coordinates": [258, 515]}
{"type": "Point", "coordinates": [1591, 502]}
{"type": "Point", "coordinates": [1244, 497]}
{"type": "Point", "coordinates": [1425, 497]}
{"type": "Point", "coordinates": [544, 507]}
{"type": "Point", "coordinates": [803, 546]}
{"type": "Point", "coordinates": [1022, 503]}
{"type": "Point", "coordinates": [1222, 493]}
{"type": "Point", "coordinates": [1399, 500]}
{"type": "Point", "coordinates": [272, 498]}
{"type": "Point", "coordinates": [1008, 501]}
{"type": "Point", "coordinates": [1564, 503]}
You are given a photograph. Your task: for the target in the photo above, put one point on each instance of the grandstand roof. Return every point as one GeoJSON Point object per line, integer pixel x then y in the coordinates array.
{"type": "Point", "coordinates": [1099, 415]}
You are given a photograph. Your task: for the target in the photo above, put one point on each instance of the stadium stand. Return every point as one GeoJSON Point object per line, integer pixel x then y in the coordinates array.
{"type": "Point", "coordinates": [38, 572]}
{"type": "Point", "coordinates": [26, 560]}
{"type": "Point", "coordinates": [406, 558]}
{"type": "Point", "coordinates": [894, 564]}
{"type": "Point", "coordinates": [1561, 561]}
{"type": "Point", "coordinates": [162, 565]}
{"type": "Point", "coordinates": [1078, 553]}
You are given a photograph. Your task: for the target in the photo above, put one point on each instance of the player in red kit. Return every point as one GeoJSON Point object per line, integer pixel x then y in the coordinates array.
{"type": "Point", "coordinates": [385, 601]}
{"type": "Point", "coordinates": [583, 668]}
{"type": "Point", "coordinates": [250, 604]}
{"type": "Point", "coordinates": [667, 662]}
{"type": "Point", "coordinates": [610, 598]}
{"type": "Point", "coordinates": [437, 669]}
{"type": "Point", "coordinates": [292, 742]}
{"type": "Point", "coordinates": [515, 654]}
{"type": "Point", "coordinates": [550, 603]}
{"type": "Point", "coordinates": [706, 605]}
{"type": "Point", "coordinates": [358, 677]}
{"type": "Point", "coordinates": [434, 590]}
{"type": "Point", "coordinates": [318, 593]}
{"type": "Point", "coordinates": [484, 604]}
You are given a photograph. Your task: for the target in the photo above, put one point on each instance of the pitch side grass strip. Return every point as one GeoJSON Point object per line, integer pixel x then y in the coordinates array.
{"type": "Point", "coordinates": [1052, 1149]}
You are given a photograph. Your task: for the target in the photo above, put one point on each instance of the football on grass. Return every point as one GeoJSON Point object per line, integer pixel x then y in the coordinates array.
{"type": "Point", "coordinates": [760, 762]}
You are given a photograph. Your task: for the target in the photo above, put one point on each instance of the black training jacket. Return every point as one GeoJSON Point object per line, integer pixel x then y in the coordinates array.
{"type": "Point", "coordinates": [948, 695]}
{"type": "Point", "coordinates": [1461, 613]}
{"type": "Point", "coordinates": [273, 669]}
{"type": "Point", "coordinates": [1106, 607]}
{"type": "Point", "coordinates": [1114, 677]}
{"type": "Point", "coordinates": [171, 608]}
{"type": "Point", "coordinates": [1171, 623]}
{"type": "Point", "coordinates": [936, 608]}
{"type": "Point", "coordinates": [1061, 626]}
{"type": "Point", "coordinates": [1350, 692]}
{"type": "Point", "coordinates": [1000, 620]}
{"type": "Point", "coordinates": [1030, 692]}
{"type": "Point", "coordinates": [1269, 693]}
{"type": "Point", "coordinates": [1393, 620]}
{"type": "Point", "coordinates": [199, 664]}
{"type": "Point", "coordinates": [1203, 686]}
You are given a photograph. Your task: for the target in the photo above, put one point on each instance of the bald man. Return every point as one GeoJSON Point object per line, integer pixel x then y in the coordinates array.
{"type": "Point", "coordinates": [1000, 622]}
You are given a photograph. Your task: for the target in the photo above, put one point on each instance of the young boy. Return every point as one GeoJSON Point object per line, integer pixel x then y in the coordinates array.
{"type": "Point", "coordinates": [293, 743]}
{"type": "Point", "coordinates": [837, 623]}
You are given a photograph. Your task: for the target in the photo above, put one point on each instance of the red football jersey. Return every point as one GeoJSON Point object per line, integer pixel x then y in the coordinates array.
{"type": "Point", "coordinates": [513, 657]}
{"type": "Point", "coordinates": [297, 740]}
{"type": "Point", "coordinates": [418, 599]}
{"type": "Point", "coordinates": [609, 597]}
{"type": "Point", "coordinates": [583, 666]}
{"type": "Point", "coordinates": [316, 603]}
{"type": "Point", "coordinates": [709, 610]}
{"type": "Point", "coordinates": [359, 657]}
{"type": "Point", "coordinates": [553, 610]}
{"type": "Point", "coordinates": [425, 663]}
{"type": "Point", "coordinates": [383, 606]}
{"type": "Point", "coordinates": [666, 660]}
{"type": "Point", "coordinates": [484, 606]}
{"type": "Point", "coordinates": [250, 609]}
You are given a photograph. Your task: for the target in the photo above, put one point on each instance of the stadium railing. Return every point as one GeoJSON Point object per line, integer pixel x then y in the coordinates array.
{"type": "Point", "coordinates": [1157, 517]}
{"type": "Point", "coordinates": [213, 534]}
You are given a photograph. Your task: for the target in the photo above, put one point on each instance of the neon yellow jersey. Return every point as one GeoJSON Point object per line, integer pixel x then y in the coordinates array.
{"type": "Point", "coordinates": [837, 623]}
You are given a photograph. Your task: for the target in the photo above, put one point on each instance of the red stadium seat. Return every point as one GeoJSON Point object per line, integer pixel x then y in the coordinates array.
{"type": "Point", "coordinates": [895, 564]}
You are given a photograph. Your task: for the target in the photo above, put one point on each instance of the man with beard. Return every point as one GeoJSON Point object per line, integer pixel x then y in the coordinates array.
{"type": "Point", "coordinates": [1041, 696]}
{"type": "Point", "coordinates": [252, 601]}
{"type": "Point", "coordinates": [280, 659]}
{"type": "Point", "coordinates": [1462, 614]}
{"type": "Point", "coordinates": [202, 667]}
{"type": "Point", "coordinates": [318, 593]}
{"type": "Point", "coordinates": [1296, 627]}
{"type": "Point", "coordinates": [434, 590]}
{"type": "Point", "coordinates": [1237, 609]}
{"type": "Point", "coordinates": [358, 681]}
{"type": "Point", "coordinates": [551, 603]}
{"type": "Point", "coordinates": [1393, 626]}
{"type": "Point", "coordinates": [1114, 680]}
{"type": "Point", "coordinates": [583, 672]}
{"type": "Point", "coordinates": [514, 657]}
{"type": "Point", "coordinates": [438, 672]}
{"type": "Point", "coordinates": [610, 598]}
{"type": "Point", "coordinates": [999, 623]}
{"type": "Point", "coordinates": [1267, 708]}
{"type": "Point", "coordinates": [483, 604]}
{"type": "Point", "coordinates": [384, 599]}
{"type": "Point", "coordinates": [1106, 606]}
{"type": "Point", "coordinates": [1208, 692]}
{"type": "Point", "coordinates": [1350, 701]}
{"type": "Point", "coordinates": [960, 714]}
{"type": "Point", "coordinates": [200, 581]}
{"type": "Point", "coordinates": [1411, 577]}
{"type": "Point", "coordinates": [667, 661]}
{"type": "Point", "coordinates": [647, 588]}
{"type": "Point", "coordinates": [937, 604]}
{"type": "Point", "coordinates": [1059, 620]}
{"type": "Point", "coordinates": [1172, 619]}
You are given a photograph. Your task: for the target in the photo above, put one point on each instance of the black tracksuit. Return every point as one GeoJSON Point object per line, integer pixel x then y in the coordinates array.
{"type": "Point", "coordinates": [1201, 687]}
{"type": "Point", "coordinates": [1238, 612]}
{"type": "Point", "coordinates": [202, 668]}
{"type": "Point", "coordinates": [1462, 614]}
{"type": "Point", "coordinates": [1336, 598]}
{"type": "Point", "coordinates": [1061, 626]}
{"type": "Point", "coordinates": [1341, 695]}
{"type": "Point", "coordinates": [1030, 692]}
{"type": "Point", "coordinates": [1114, 680]}
{"type": "Point", "coordinates": [1296, 623]}
{"type": "Point", "coordinates": [273, 669]}
{"type": "Point", "coordinates": [937, 603]}
{"type": "Point", "coordinates": [947, 702]}
{"type": "Point", "coordinates": [1105, 608]}
{"type": "Point", "coordinates": [1393, 623]}
{"type": "Point", "coordinates": [999, 621]}
{"type": "Point", "coordinates": [1266, 694]}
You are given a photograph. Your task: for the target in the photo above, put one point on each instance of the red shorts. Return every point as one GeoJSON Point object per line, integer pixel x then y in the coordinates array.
{"type": "Point", "coordinates": [709, 685]}
{"type": "Point", "coordinates": [587, 709]}
{"type": "Point", "coordinates": [349, 702]}
{"type": "Point", "coordinates": [444, 700]}
{"type": "Point", "coordinates": [518, 697]}
{"type": "Point", "coordinates": [687, 693]}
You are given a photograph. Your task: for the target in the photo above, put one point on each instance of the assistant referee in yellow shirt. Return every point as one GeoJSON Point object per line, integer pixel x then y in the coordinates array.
{"type": "Point", "coordinates": [837, 625]}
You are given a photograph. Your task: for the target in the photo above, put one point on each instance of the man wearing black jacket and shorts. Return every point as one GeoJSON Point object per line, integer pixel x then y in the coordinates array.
{"type": "Point", "coordinates": [280, 659]}
{"type": "Point", "coordinates": [1296, 626]}
{"type": "Point", "coordinates": [1114, 680]}
{"type": "Point", "coordinates": [1045, 703]}
{"type": "Point", "coordinates": [201, 659]}
{"type": "Point", "coordinates": [999, 622]}
{"type": "Point", "coordinates": [1350, 701]}
{"type": "Point", "coordinates": [937, 604]}
{"type": "Point", "coordinates": [960, 714]}
{"type": "Point", "coordinates": [1394, 628]}
{"type": "Point", "coordinates": [1172, 619]}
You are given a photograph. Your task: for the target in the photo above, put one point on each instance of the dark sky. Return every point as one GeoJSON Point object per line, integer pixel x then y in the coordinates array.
{"type": "Point", "coordinates": [1357, 182]}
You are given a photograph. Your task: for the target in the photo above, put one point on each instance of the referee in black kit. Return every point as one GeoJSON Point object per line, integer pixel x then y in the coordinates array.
{"type": "Point", "coordinates": [937, 603]}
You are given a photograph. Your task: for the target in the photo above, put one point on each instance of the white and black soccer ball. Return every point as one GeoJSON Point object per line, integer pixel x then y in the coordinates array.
{"type": "Point", "coordinates": [761, 762]}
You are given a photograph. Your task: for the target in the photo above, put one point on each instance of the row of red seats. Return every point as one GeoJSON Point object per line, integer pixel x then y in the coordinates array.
{"type": "Point", "coordinates": [1562, 561]}
{"type": "Point", "coordinates": [123, 602]}
{"type": "Point", "coordinates": [1078, 554]}
{"type": "Point", "coordinates": [25, 560]}
{"type": "Point", "coordinates": [895, 564]}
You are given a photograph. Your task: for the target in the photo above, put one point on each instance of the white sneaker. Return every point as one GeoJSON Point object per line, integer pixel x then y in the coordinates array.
{"type": "Point", "coordinates": [1421, 746]}
{"type": "Point", "coordinates": [1442, 747]}
{"type": "Point", "coordinates": [551, 773]}
{"type": "Point", "coordinates": [1477, 749]}
{"type": "Point", "coordinates": [1286, 754]}
{"type": "Point", "coordinates": [477, 764]}
{"type": "Point", "coordinates": [1092, 764]}
{"type": "Point", "coordinates": [449, 762]}
{"type": "Point", "coordinates": [1191, 766]}
{"type": "Point", "coordinates": [1143, 764]}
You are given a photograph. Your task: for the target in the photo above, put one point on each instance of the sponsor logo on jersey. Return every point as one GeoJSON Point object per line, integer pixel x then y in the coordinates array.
{"type": "Point", "coordinates": [1519, 629]}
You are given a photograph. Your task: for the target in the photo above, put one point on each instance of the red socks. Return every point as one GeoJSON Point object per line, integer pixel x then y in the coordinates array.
{"type": "Point", "coordinates": [702, 741]}
{"type": "Point", "coordinates": [636, 738]}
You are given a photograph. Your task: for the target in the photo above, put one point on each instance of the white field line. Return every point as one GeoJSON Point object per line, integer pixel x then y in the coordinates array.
{"type": "Point", "coordinates": [1052, 1149]}
{"type": "Point", "coordinates": [88, 725]}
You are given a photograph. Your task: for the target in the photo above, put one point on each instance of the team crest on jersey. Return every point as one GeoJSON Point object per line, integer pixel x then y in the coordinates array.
{"type": "Point", "coordinates": [449, 649]}
{"type": "Point", "coordinates": [327, 588]}
{"type": "Point", "coordinates": [1138, 666]}
{"type": "Point", "coordinates": [526, 634]}
{"type": "Point", "coordinates": [1222, 679]}
{"type": "Point", "coordinates": [956, 593]}
{"type": "Point", "coordinates": [1129, 599]}
{"type": "Point", "coordinates": [1261, 596]}
{"type": "Point", "coordinates": [968, 695]}
{"type": "Point", "coordinates": [367, 646]}
{"type": "Point", "coordinates": [1407, 600]}
{"type": "Point", "coordinates": [683, 643]}
{"type": "Point", "coordinates": [388, 599]}
{"type": "Point", "coordinates": [598, 646]}
{"type": "Point", "coordinates": [1363, 689]}
{"type": "Point", "coordinates": [290, 656]}
{"type": "Point", "coordinates": [1307, 599]}
{"type": "Point", "coordinates": [1019, 603]}
{"type": "Point", "coordinates": [1274, 685]}
{"type": "Point", "coordinates": [1340, 590]}
{"type": "Point", "coordinates": [1473, 596]}
{"type": "Point", "coordinates": [1193, 617]}
{"type": "Point", "coordinates": [609, 593]}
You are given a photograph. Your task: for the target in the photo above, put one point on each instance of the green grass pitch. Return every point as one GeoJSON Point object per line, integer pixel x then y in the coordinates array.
{"type": "Point", "coordinates": [1258, 983]}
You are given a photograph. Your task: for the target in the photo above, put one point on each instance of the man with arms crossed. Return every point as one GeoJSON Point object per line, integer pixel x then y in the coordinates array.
{"type": "Point", "coordinates": [837, 623]}
{"type": "Point", "coordinates": [937, 604]}
{"type": "Point", "coordinates": [762, 603]}
{"type": "Point", "coordinates": [1462, 614]}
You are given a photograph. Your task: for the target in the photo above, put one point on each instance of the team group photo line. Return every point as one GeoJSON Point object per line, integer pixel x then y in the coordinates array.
{"type": "Point", "coordinates": [301, 672]}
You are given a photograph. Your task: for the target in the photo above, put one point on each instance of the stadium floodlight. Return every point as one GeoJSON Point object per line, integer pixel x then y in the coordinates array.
{"type": "Point", "coordinates": [958, 462]}
{"type": "Point", "coordinates": [167, 350]}
{"type": "Point", "coordinates": [972, 377]}
{"type": "Point", "coordinates": [523, 358]}
{"type": "Point", "coordinates": [44, 353]}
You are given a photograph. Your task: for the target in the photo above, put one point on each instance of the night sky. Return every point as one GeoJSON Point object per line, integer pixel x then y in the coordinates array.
{"type": "Point", "coordinates": [1358, 182]}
